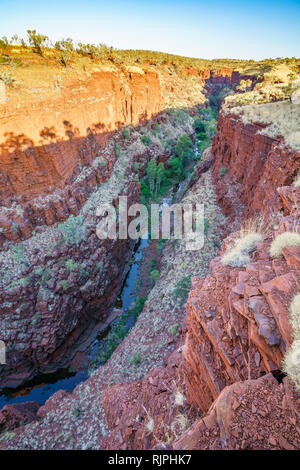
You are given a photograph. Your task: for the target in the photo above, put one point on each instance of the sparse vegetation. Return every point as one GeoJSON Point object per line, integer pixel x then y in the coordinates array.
{"type": "Point", "coordinates": [136, 359]}
{"type": "Point", "coordinates": [125, 133]}
{"type": "Point", "coordinates": [154, 275]}
{"type": "Point", "coordinates": [222, 172]}
{"type": "Point", "coordinates": [36, 40]}
{"type": "Point", "coordinates": [183, 287]}
{"type": "Point", "coordinates": [119, 331]}
{"type": "Point", "coordinates": [281, 241]}
{"type": "Point", "coordinates": [238, 255]}
{"type": "Point", "coordinates": [7, 78]}
{"type": "Point", "coordinates": [297, 181]}
{"type": "Point", "coordinates": [291, 362]}
{"type": "Point", "coordinates": [282, 119]}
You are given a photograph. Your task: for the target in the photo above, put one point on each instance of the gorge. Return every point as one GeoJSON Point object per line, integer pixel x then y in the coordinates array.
{"type": "Point", "coordinates": [206, 342]}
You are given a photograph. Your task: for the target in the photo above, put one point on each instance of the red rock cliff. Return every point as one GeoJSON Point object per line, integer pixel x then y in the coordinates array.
{"type": "Point", "coordinates": [41, 144]}
{"type": "Point", "coordinates": [256, 165]}
{"type": "Point", "coordinates": [237, 333]}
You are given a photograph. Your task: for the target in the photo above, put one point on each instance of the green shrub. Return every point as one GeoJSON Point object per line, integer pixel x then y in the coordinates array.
{"type": "Point", "coordinates": [36, 40]}
{"type": "Point", "coordinates": [154, 275]}
{"type": "Point", "coordinates": [64, 284]}
{"type": "Point", "coordinates": [183, 147]}
{"type": "Point", "coordinates": [183, 287]}
{"type": "Point", "coordinates": [136, 359]}
{"type": "Point", "coordinates": [206, 225]}
{"type": "Point", "coordinates": [160, 246]}
{"type": "Point", "coordinates": [173, 329]}
{"type": "Point", "coordinates": [70, 265]}
{"type": "Point", "coordinates": [199, 127]}
{"type": "Point", "coordinates": [73, 230]}
{"type": "Point", "coordinates": [65, 45]}
{"type": "Point", "coordinates": [125, 133]}
{"type": "Point", "coordinates": [153, 264]}
{"type": "Point", "coordinates": [118, 150]}
{"type": "Point", "coordinates": [146, 140]}
{"type": "Point", "coordinates": [145, 191]}
{"type": "Point", "coordinates": [176, 167]}
{"type": "Point", "coordinates": [222, 172]}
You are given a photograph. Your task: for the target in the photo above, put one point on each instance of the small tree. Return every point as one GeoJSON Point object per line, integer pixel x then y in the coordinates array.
{"type": "Point", "coordinates": [183, 147]}
{"type": "Point", "coordinates": [176, 166]}
{"type": "Point", "coordinates": [14, 39]}
{"type": "Point", "coordinates": [65, 45]}
{"type": "Point", "coordinates": [36, 40]}
{"type": "Point", "coordinates": [210, 128]}
{"type": "Point", "coordinates": [3, 42]}
{"type": "Point", "coordinates": [151, 174]}
{"type": "Point", "coordinates": [160, 176]}
{"type": "Point", "coordinates": [154, 275]}
{"type": "Point", "coordinates": [145, 190]}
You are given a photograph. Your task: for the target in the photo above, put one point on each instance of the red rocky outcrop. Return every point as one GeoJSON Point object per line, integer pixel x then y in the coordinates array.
{"type": "Point", "coordinates": [45, 319]}
{"type": "Point", "coordinates": [237, 333]}
{"type": "Point", "coordinates": [256, 166]}
{"type": "Point", "coordinates": [41, 145]}
{"type": "Point", "coordinates": [238, 319]}
{"type": "Point", "coordinates": [12, 416]}
{"type": "Point", "coordinates": [256, 414]}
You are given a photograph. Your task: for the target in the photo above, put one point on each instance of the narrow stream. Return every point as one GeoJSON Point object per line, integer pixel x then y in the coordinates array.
{"type": "Point", "coordinates": [44, 386]}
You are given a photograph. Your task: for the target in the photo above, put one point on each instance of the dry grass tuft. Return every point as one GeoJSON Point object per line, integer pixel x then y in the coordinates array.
{"type": "Point", "coordinates": [282, 119]}
{"type": "Point", "coordinates": [238, 255]}
{"type": "Point", "coordinates": [281, 241]}
{"type": "Point", "coordinates": [291, 364]}
{"type": "Point", "coordinates": [256, 224]}
{"type": "Point", "coordinates": [295, 316]}
{"type": "Point", "coordinates": [179, 398]}
{"type": "Point", "coordinates": [297, 181]}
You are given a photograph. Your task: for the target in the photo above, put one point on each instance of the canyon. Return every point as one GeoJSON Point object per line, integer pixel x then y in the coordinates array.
{"type": "Point", "coordinates": [55, 280]}
{"type": "Point", "coordinates": [216, 383]}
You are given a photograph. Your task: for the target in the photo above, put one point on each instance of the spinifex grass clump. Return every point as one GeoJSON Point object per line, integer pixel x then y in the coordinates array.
{"type": "Point", "coordinates": [238, 255]}
{"type": "Point", "coordinates": [282, 240]}
{"type": "Point", "coordinates": [291, 362]}
{"type": "Point", "coordinates": [297, 181]}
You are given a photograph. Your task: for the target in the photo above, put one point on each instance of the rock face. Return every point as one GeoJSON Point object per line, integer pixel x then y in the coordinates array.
{"type": "Point", "coordinates": [237, 331]}
{"type": "Point", "coordinates": [256, 166]}
{"type": "Point", "coordinates": [53, 154]}
{"type": "Point", "coordinates": [133, 410]}
{"type": "Point", "coordinates": [237, 325]}
{"type": "Point", "coordinates": [42, 317]}
{"type": "Point", "coordinates": [255, 415]}
{"type": "Point", "coordinates": [62, 280]}
{"type": "Point", "coordinates": [238, 320]}
{"type": "Point", "coordinates": [13, 416]}
{"type": "Point", "coordinates": [41, 146]}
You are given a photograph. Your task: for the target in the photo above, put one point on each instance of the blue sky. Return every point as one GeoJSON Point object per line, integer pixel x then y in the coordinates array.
{"type": "Point", "coordinates": [206, 29]}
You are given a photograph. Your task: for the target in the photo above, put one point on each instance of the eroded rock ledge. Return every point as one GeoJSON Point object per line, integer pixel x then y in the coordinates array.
{"type": "Point", "coordinates": [256, 165]}
{"type": "Point", "coordinates": [237, 330]}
